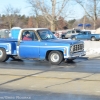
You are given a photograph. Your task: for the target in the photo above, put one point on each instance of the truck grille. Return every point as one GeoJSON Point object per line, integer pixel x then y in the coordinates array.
{"type": "Point", "coordinates": [77, 48]}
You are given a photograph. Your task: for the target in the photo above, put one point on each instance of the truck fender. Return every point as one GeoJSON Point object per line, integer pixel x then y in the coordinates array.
{"type": "Point", "coordinates": [3, 55]}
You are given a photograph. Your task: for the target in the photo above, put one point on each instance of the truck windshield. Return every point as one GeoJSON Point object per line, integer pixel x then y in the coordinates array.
{"type": "Point", "coordinates": [46, 34]}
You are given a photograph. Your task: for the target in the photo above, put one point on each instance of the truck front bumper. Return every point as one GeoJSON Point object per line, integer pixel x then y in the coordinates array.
{"type": "Point", "coordinates": [75, 55]}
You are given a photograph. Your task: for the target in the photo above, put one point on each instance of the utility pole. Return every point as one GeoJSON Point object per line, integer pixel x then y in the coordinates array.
{"type": "Point", "coordinates": [84, 19]}
{"type": "Point", "coordinates": [53, 15]}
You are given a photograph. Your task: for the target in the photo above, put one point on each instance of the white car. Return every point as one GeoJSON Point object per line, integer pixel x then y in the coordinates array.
{"type": "Point", "coordinates": [69, 33]}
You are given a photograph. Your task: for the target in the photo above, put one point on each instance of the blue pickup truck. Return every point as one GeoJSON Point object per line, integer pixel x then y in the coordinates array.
{"type": "Point", "coordinates": [86, 35]}
{"type": "Point", "coordinates": [43, 46]}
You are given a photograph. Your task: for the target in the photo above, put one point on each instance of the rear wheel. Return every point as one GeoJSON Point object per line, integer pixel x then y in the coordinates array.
{"type": "Point", "coordinates": [93, 39]}
{"type": "Point", "coordinates": [3, 55]}
{"type": "Point", "coordinates": [73, 38]}
{"type": "Point", "coordinates": [63, 37]}
{"type": "Point", "coordinates": [55, 57]}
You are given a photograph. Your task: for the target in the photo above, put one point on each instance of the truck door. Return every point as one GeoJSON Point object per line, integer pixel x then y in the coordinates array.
{"type": "Point", "coordinates": [86, 35]}
{"type": "Point", "coordinates": [82, 36]}
{"type": "Point", "coordinates": [29, 48]}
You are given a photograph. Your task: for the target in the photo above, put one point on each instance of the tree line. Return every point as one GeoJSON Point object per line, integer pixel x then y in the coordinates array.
{"type": "Point", "coordinates": [23, 21]}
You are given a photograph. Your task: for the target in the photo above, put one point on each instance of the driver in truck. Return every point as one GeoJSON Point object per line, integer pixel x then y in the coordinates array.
{"type": "Point", "coordinates": [27, 36]}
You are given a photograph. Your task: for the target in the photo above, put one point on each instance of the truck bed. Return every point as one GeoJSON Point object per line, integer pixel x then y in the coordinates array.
{"type": "Point", "coordinates": [9, 44]}
{"type": "Point", "coordinates": [8, 40]}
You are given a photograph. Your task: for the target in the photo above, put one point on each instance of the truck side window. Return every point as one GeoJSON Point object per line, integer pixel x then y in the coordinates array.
{"type": "Point", "coordinates": [69, 32]}
{"type": "Point", "coordinates": [34, 37]}
{"type": "Point", "coordinates": [73, 31]}
{"type": "Point", "coordinates": [84, 33]}
{"type": "Point", "coordinates": [78, 31]}
{"type": "Point", "coordinates": [89, 32]}
{"type": "Point", "coordinates": [29, 35]}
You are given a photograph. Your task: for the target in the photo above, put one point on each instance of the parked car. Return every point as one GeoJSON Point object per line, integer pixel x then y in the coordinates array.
{"type": "Point", "coordinates": [55, 34]}
{"type": "Point", "coordinates": [4, 33]}
{"type": "Point", "coordinates": [86, 35]}
{"type": "Point", "coordinates": [69, 33]}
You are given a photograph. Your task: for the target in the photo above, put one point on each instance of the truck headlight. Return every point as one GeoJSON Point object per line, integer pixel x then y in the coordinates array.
{"type": "Point", "coordinates": [71, 49]}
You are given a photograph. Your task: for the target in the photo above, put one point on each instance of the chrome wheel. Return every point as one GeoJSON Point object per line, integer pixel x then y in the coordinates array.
{"type": "Point", "coordinates": [55, 57]}
{"type": "Point", "coordinates": [1, 53]}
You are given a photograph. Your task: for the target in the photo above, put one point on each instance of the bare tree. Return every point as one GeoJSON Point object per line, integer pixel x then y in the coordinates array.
{"type": "Point", "coordinates": [91, 8]}
{"type": "Point", "coordinates": [35, 11]}
{"type": "Point", "coordinates": [50, 9]}
{"type": "Point", "coordinates": [10, 14]}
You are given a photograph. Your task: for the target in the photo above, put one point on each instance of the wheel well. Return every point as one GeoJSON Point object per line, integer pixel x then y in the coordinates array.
{"type": "Point", "coordinates": [47, 54]}
{"type": "Point", "coordinates": [2, 48]}
{"type": "Point", "coordinates": [93, 37]}
{"type": "Point", "coordinates": [73, 37]}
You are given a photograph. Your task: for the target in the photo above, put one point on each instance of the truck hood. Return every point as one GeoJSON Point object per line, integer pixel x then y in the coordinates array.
{"type": "Point", "coordinates": [64, 41]}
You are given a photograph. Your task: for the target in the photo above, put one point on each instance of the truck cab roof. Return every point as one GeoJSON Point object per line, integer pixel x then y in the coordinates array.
{"type": "Point", "coordinates": [33, 29]}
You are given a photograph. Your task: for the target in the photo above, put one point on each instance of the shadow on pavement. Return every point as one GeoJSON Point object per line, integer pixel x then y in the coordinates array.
{"type": "Point", "coordinates": [46, 95]}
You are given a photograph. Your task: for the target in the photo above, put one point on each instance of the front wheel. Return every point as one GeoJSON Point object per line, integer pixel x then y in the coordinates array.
{"type": "Point", "coordinates": [93, 39]}
{"type": "Point", "coordinates": [3, 55]}
{"type": "Point", "coordinates": [55, 57]}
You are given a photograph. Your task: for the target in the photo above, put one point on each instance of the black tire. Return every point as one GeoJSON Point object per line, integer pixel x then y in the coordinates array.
{"type": "Point", "coordinates": [3, 55]}
{"type": "Point", "coordinates": [6, 58]}
{"type": "Point", "coordinates": [93, 39]}
{"type": "Point", "coordinates": [63, 37]}
{"type": "Point", "coordinates": [55, 57]}
{"type": "Point", "coordinates": [73, 38]}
